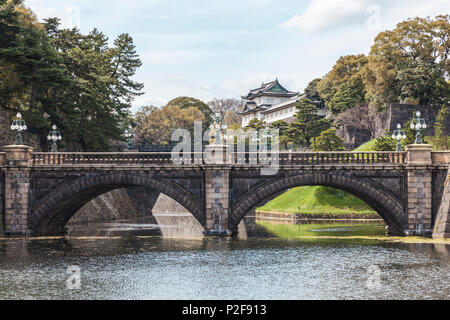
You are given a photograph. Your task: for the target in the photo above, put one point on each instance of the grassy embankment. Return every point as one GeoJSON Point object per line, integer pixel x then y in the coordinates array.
{"type": "Point", "coordinates": [317, 200]}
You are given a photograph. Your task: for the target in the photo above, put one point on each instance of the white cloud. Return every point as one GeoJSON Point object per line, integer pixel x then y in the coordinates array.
{"type": "Point", "coordinates": [372, 14]}
{"type": "Point", "coordinates": [149, 100]}
{"type": "Point", "coordinates": [396, 12]}
{"type": "Point", "coordinates": [69, 14]}
{"type": "Point", "coordinates": [322, 14]}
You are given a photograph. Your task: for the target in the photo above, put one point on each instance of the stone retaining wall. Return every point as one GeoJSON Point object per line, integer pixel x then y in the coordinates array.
{"type": "Point", "coordinates": [110, 206]}
{"type": "Point", "coordinates": [165, 204]}
{"type": "Point", "coordinates": [388, 120]}
{"type": "Point", "coordinates": [300, 216]}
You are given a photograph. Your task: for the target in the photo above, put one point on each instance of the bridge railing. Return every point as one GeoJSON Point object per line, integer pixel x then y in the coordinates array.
{"type": "Point", "coordinates": [165, 158]}
{"type": "Point", "coordinates": [89, 158]}
{"type": "Point", "coordinates": [343, 158]}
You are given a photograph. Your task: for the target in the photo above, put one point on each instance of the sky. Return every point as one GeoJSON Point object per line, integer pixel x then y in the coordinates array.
{"type": "Point", "coordinates": [223, 48]}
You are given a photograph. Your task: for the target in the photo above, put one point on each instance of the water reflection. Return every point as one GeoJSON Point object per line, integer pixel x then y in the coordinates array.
{"type": "Point", "coordinates": [171, 260]}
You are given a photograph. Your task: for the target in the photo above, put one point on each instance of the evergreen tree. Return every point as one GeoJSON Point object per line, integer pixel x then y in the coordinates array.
{"type": "Point", "coordinates": [97, 103]}
{"type": "Point", "coordinates": [441, 137]}
{"type": "Point", "coordinates": [256, 124]}
{"type": "Point", "coordinates": [308, 124]}
{"type": "Point", "coordinates": [283, 138]}
{"type": "Point", "coordinates": [385, 143]}
{"type": "Point", "coordinates": [327, 141]}
{"type": "Point", "coordinates": [61, 76]}
{"type": "Point", "coordinates": [349, 94]}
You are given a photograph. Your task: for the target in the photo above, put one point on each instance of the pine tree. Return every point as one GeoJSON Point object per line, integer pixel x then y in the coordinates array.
{"type": "Point", "coordinates": [308, 124]}
{"type": "Point", "coordinates": [327, 141]}
{"type": "Point", "coordinates": [282, 127]}
{"type": "Point", "coordinates": [385, 143]}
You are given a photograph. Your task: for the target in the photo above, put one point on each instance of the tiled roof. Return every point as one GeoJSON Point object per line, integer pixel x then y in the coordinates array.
{"type": "Point", "coordinates": [251, 107]}
{"type": "Point", "coordinates": [273, 88]}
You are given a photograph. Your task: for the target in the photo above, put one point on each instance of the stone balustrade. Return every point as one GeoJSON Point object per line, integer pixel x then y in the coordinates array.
{"type": "Point", "coordinates": [219, 187]}
{"type": "Point", "coordinates": [440, 157]}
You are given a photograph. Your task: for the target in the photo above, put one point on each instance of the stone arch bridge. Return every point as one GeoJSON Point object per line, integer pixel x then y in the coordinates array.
{"type": "Point", "coordinates": [40, 192]}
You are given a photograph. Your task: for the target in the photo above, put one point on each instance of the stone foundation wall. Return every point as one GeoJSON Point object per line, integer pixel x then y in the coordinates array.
{"type": "Point", "coordinates": [143, 199]}
{"type": "Point", "coordinates": [165, 204]}
{"type": "Point", "coordinates": [110, 206]}
{"type": "Point", "coordinates": [442, 223]}
{"type": "Point", "coordinates": [388, 120]}
{"type": "Point", "coordinates": [299, 216]}
{"type": "Point", "coordinates": [126, 203]}
{"type": "Point", "coordinates": [2, 202]}
{"type": "Point", "coordinates": [353, 137]}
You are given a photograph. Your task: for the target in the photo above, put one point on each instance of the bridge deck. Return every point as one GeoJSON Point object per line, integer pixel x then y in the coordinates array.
{"type": "Point", "coordinates": [169, 158]}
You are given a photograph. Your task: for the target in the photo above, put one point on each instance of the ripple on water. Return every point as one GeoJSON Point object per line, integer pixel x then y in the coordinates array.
{"type": "Point", "coordinates": [127, 266]}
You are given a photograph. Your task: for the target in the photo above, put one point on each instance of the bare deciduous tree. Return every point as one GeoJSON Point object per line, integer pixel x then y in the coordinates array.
{"type": "Point", "coordinates": [227, 109]}
{"type": "Point", "coordinates": [361, 117]}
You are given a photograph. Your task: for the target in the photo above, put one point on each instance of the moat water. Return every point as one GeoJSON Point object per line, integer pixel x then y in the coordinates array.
{"type": "Point", "coordinates": [268, 260]}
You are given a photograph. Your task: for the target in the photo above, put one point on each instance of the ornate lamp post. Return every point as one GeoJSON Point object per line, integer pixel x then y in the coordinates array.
{"type": "Point", "coordinates": [399, 134]}
{"type": "Point", "coordinates": [54, 136]}
{"type": "Point", "coordinates": [129, 135]}
{"type": "Point", "coordinates": [418, 124]}
{"type": "Point", "coordinates": [19, 125]}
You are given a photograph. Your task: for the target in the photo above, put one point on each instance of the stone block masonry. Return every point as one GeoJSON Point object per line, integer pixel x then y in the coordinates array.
{"type": "Point", "coordinates": [41, 196]}
{"type": "Point", "coordinates": [2, 201]}
{"type": "Point", "coordinates": [419, 202]}
{"type": "Point", "coordinates": [217, 201]}
{"type": "Point", "coordinates": [442, 223]}
{"type": "Point", "coordinates": [419, 190]}
{"type": "Point", "coordinates": [17, 183]}
{"type": "Point", "coordinates": [17, 189]}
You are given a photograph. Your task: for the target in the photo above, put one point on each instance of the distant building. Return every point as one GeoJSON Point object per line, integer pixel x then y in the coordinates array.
{"type": "Point", "coordinates": [271, 102]}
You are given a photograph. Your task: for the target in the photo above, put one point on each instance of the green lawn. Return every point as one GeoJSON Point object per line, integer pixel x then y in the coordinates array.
{"type": "Point", "coordinates": [368, 146]}
{"type": "Point", "coordinates": [317, 200]}
{"type": "Point", "coordinates": [322, 200]}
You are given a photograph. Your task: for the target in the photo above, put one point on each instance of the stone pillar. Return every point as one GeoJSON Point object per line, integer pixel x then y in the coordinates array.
{"type": "Point", "coordinates": [17, 189]}
{"type": "Point", "coordinates": [217, 154]}
{"type": "Point", "coordinates": [217, 191]}
{"type": "Point", "coordinates": [419, 189]}
{"type": "Point", "coordinates": [217, 201]}
{"type": "Point", "coordinates": [442, 224]}
{"type": "Point", "coordinates": [419, 154]}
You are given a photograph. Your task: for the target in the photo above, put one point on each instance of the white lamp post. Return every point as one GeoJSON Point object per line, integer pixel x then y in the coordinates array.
{"type": "Point", "coordinates": [398, 135]}
{"type": "Point", "coordinates": [418, 123]}
{"type": "Point", "coordinates": [54, 136]}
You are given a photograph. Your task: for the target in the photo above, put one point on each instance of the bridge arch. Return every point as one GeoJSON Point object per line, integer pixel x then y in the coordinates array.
{"type": "Point", "coordinates": [383, 202]}
{"type": "Point", "coordinates": [51, 214]}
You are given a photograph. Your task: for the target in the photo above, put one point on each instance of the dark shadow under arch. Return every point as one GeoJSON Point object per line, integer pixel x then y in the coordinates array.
{"type": "Point", "coordinates": [384, 203]}
{"type": "Point", "coordinates": [52, 213]}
